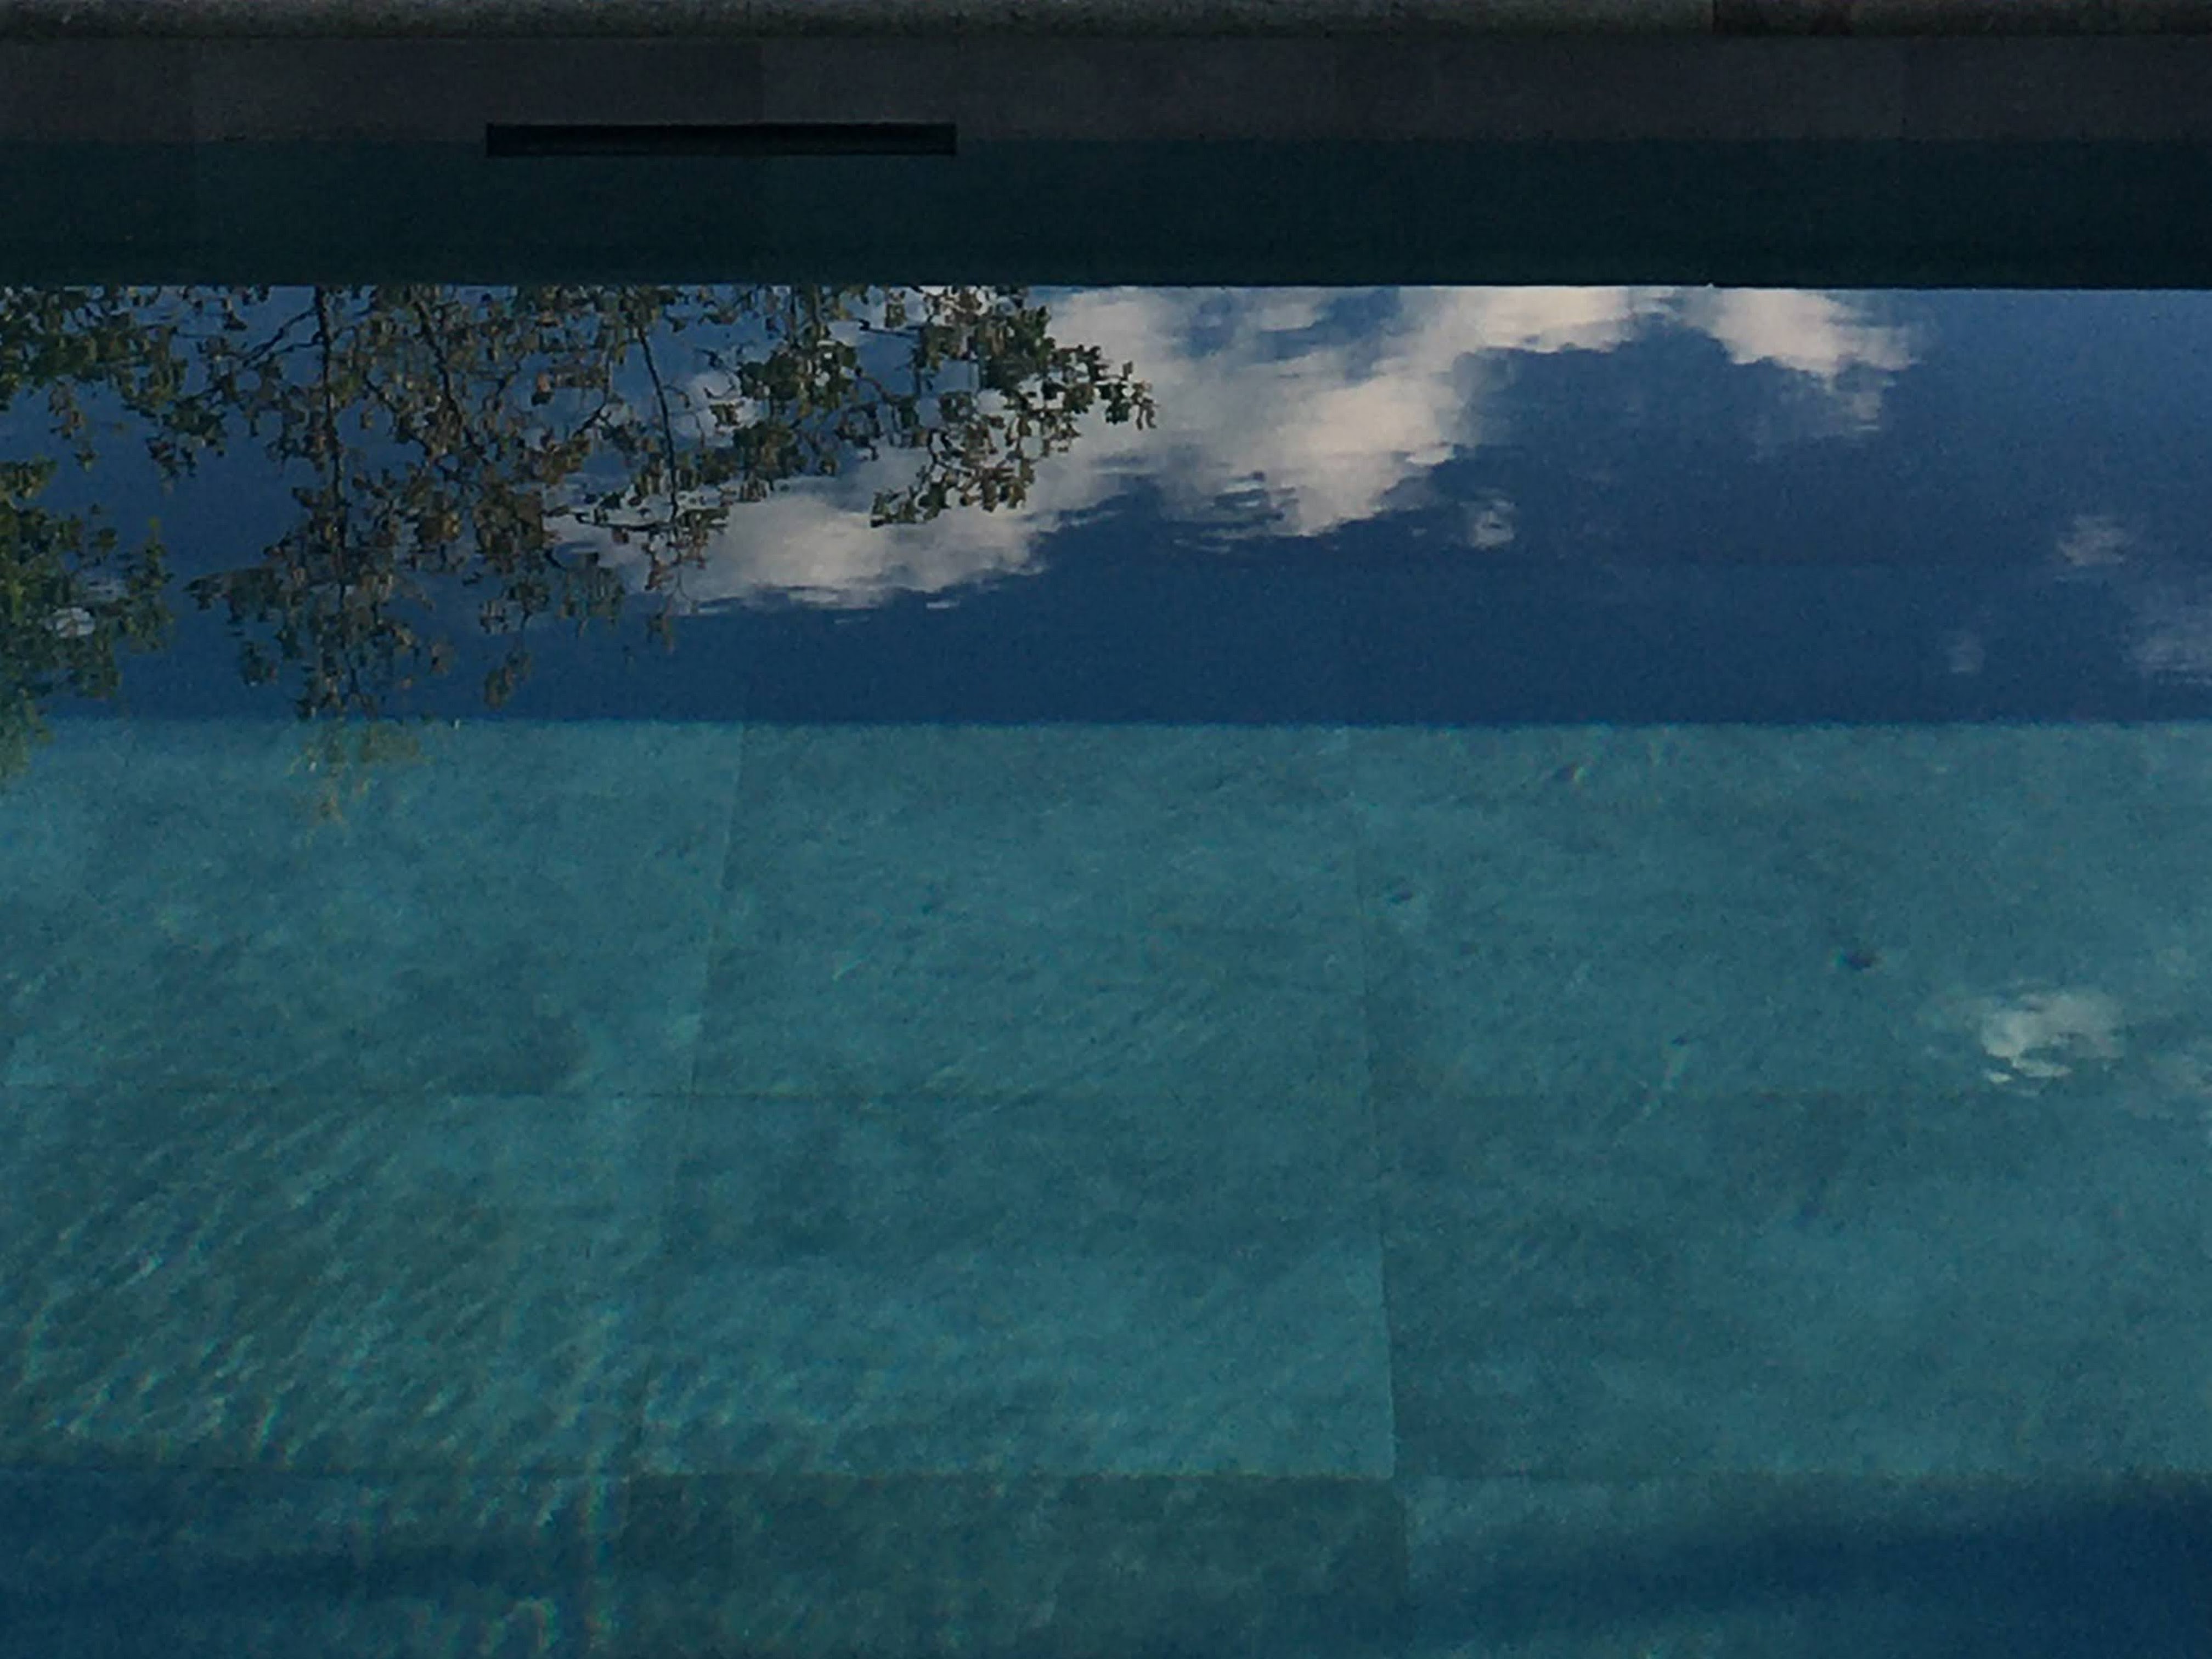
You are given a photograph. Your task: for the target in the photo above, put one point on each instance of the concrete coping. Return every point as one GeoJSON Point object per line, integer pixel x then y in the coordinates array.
{"type": "Point", "coordinates": [26, 20]}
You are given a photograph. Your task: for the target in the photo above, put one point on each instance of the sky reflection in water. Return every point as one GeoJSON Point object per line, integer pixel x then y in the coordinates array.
{"type": "Point", "coordinates": [1419, 504]}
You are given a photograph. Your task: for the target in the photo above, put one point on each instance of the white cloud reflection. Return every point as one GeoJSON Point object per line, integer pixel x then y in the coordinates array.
{"type": "Point", "coordinates": [1823, 337]}
{"type": "Point", "coordinates": [2172, 628]}
{"type": "Point", "coordinates": [1272, 421]}
{"type": "Point", "coordinates": [2165, 602]}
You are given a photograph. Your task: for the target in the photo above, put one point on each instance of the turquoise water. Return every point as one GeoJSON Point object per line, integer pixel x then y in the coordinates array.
{"type": "Point", "coordinates": [1520, 973]}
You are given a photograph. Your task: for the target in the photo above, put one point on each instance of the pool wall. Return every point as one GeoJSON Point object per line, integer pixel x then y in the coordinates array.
{"type": "Point", "coordinates": [1753, 141]}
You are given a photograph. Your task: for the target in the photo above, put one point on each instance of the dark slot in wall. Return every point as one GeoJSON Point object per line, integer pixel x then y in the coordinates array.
{"type": "Point", "coordinates": [751, 138]}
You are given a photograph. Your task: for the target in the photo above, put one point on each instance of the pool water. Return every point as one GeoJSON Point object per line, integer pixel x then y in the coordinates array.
{"type": "Point", "coordinates": [1123, 972]}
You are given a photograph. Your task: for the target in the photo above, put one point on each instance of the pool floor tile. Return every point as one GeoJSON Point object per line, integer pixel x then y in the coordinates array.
{"type": "Point", "coordinates": [233, 906]}
{"type": "Point", "coordinates": [1602, 1287]}
{"type": "Point", "coordinates": [994, 911]}
{"type": "Point", "coordinates": [1047, 1286]}
{"type": "Point", "coordinates": [95, 1564]}
{"type": "Point", "coordinates": [1093, 1567]}
{"type": "Point", "coordinates": [343, 1285]}
{"type": "Point", "coordinates": [1821, 1568]}
{"type": "Point", "coordinates": [1679, 911]}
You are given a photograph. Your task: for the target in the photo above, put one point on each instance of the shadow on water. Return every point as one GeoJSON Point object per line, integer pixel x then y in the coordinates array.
{"type": "Point", "coordinates": [2128, 1571]}
{"type": "Point", "coordinates": [1836, 1568]}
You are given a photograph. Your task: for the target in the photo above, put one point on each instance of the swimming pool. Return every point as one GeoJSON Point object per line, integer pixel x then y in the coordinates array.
{"type": "Point", "coordinates": [1105, 970]}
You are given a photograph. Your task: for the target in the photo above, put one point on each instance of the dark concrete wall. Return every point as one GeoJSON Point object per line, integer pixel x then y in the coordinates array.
{"type": "Point", "coordinates": [2132, 89]}
{"type": "Point", "coordinates": [2033, 159]}
{"type": "Point", "coordinates": [1882, 214]}
{"type": "Point", "coordinates": [1186, 19]}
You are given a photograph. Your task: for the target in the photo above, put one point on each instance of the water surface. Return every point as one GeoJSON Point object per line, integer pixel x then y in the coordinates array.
{"type": "Point", "coordinates": [1109, 972]}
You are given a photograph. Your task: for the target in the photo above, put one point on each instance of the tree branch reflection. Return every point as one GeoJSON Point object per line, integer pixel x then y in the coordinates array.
{"type": "Point", "coordinates": [453, 449]}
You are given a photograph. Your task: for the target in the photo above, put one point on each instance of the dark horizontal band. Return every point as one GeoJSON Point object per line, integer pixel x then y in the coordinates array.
{"type": "Point", "coordinates": [753, 139]}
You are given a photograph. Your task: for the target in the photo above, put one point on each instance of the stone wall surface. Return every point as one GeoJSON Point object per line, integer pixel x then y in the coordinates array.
{"type": "Point", "coordinates": [693, 18]}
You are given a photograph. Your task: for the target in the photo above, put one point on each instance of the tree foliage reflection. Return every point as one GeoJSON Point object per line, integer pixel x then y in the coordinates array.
{"type": "Point", "coordinates": [457, 456]}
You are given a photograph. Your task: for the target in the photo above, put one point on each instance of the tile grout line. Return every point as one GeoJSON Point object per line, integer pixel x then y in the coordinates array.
{"type": "Point", "coordinates": [689, 1087]}
{"type": "Point", "coordinates": [1390, 1482]}
{"type": "Point", "coordinates": [1363, 967]}
{"type": "Point", "coordinates": [598, 1586]}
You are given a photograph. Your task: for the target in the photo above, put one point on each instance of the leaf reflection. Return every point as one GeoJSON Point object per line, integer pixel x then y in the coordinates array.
{"type": "Point", "coordinates": [453, 448]}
